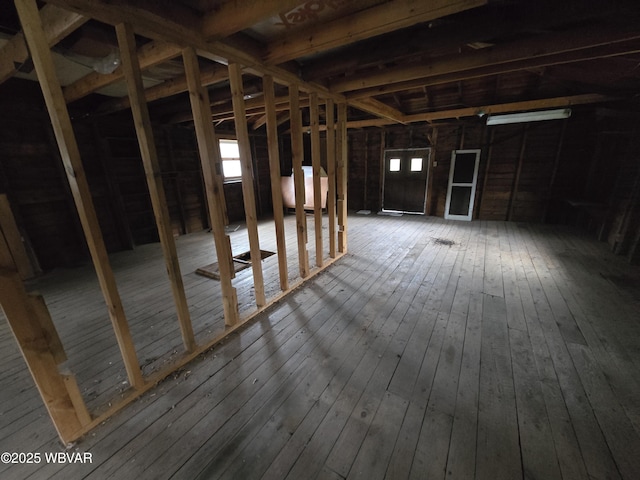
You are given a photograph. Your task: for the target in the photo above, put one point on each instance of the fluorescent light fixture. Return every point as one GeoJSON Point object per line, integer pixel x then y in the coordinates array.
{"type": "Point", "coordinates": [528, 116]}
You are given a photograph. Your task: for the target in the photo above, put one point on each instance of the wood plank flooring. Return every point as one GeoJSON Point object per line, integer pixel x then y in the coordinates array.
{"type": "Point", "coordinates": [434, 349]}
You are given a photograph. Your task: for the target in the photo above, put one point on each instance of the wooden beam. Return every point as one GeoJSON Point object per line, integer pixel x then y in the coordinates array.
{"type": "Point", "coordinates": [565, 47]}
{"type": "Point", "coordinates": [487, 168]}
{"type": "Point", "coordinates": [212, 176]}
{"type": "Point", "coordinates": [376, 107]}
{"type": "Point", "coordinates": [142, 122]}
{"type": "Point", "coordinates": [556, 102]}
{"type": "Point", "coordinates": [554, 173]}
{"type": "Point", "coordinates": [297, 154]}
{"type": "Point", "coordinates": [9, 229]}
{"type": "Point", "coordinates": [48, 330]}
{"type": "Point", "coordinates": [341, 176]}
{"type": "Point", "coordinates": [209, 75]}
{"type": "Point", "coordinates": [316, 166]}
{"type": "Point", "coordinates": [516, 178]}
{"type": "Point", "coordinates": [275, 175]}
{"type": "Point", "coordinates": [377, 20]}
{"type": "Point", "coordinates": [150, 17]}
{"type": "Point", "coordinates": [150, 54]}
{"type": "Point", "coordinates": [36, 353]}
{"type": "Point", "coordinates": [43, 62]}
{"type": "Point", "coordinates": [331, 173]}
{"type": "Point", "coordinates": [183, 29]}
{"type": "Point", "coordinates": [75, 395]}
{"type": "Point", "coordinates": [57, 23]}
{"type": "Point", "coordinates": [430, 167]}
{"type": "Point", "coordinates": [248, 192]}
{"type": "Point", "coordinates": [234, 16]}
{"type": "Point", "coordinates": [40, 345]}
{"type": "Point", "coordinates": [253, 106]}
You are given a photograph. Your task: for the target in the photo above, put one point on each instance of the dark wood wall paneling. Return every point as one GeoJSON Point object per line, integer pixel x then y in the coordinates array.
{"type": "Point", "coordinates": [31, 174]}
{"type": "Point", "coordinates": [33, 179]}
{"type": "Point", "coordinates": [528, 173]}
{"type": "Point", "coordinates": [588, 158]}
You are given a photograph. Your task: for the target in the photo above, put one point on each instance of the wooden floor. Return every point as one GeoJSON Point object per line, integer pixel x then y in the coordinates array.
{"type": "Point", "coordinates": [434, 349]}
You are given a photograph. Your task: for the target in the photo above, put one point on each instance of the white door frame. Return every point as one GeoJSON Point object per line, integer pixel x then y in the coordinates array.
{"type": "Point", "coordinates": [469, 214]}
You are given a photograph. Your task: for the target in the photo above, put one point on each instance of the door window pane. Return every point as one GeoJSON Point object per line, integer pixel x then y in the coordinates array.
{"type": "Point", "coordinates": [416, 164]}
{"type": "Point", "coordinates": [394, 164]}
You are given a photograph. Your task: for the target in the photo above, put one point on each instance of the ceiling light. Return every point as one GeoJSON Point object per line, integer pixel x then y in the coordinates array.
{"type": "Point", "coordinates": [528, 116]}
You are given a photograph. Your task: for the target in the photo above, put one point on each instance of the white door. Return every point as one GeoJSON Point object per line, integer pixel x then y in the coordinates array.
{"type": "Point", "coordinates": [462, 184]}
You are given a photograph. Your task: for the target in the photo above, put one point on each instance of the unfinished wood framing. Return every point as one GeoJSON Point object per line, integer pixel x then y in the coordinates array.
{"type": "Point", "coordinates": [9, 229]}
{"type": "Point", "coordinates": [57, 23]}
{"type": "Point", "coordinates": [432, 157]}
{"type": "Point", "coordinates": [297, 153]}
{"type": "Point", "coordinates": [341, 176]}
{"type": "Point", "coordinates": [211, 171]}
{"type": "Point", "coordinates": [41, 55]}
{"type": "Point", "coordinates": [437, 348]}
{"type": "Point", "coordinates": [31, 326]}
{"type": "Point", "coordinates": [316, 166]}
{"type": "Point", "coordinates": [146, 142]}
{"type": "Point", "coordinates": [248, 193]}
{"type": "Point", "coordinates": [274, 171]}
{"type": "Point", "coordinates": [331, 173]}
{"type": "Point", "coordinates": [554, 171]}
{"type": "Point", "coordinates": [516, 179]}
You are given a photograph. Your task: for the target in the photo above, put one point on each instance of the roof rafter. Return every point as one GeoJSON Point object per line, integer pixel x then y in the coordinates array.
{"type": "Point", "coordinates": [151, 54]}
{"type": "Point", "coordinates": [157, 27]}
{"type": "Point", "coordinates": [376, 107]}
{"type": "Point", "coordinates": [57, 23]}
{"type": "Point", "coordinates": [581, 43]}
{"type": "Point", "coordinates": [373, 21]}
{"type": "Point", "coordinates": [208, 75]}
{"type": "Point", "coordinates": [234, 16]}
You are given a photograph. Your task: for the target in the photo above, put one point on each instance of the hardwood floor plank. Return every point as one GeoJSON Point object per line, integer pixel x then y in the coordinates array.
{"type": "Point", "coordinates": [498, 453]}
{"type": "Point", "coordinates": [395, 362]}
{"type": "Point", "coordinates": [566, 444]}
{"type": "Point", "coordinates": [461, 459]}
{"type": "Point", "coordinates": [536, 441]}
{"type": "Point", "coordinates": [621, 437]}
{"type": "Point", "coordinates": [373, 456]}
{"type": "Point", "coordinates": [596, 454]}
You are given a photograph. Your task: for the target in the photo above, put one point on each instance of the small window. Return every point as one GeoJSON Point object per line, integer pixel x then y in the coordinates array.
{"type": "Point", "coordinates": [230, 154]}
{"type": "Point", "coordinates": [416, 164]}
{"type": "Point", "coordinates": [394, 164]}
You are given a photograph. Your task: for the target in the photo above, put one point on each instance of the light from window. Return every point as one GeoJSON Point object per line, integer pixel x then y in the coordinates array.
{"type": "Point", "coordinates": [394, 164]}
{"type": "Point", "coordinates": [416, 164]}
{"type": "Point", "coordinates": [230, 154]}
{"type": "Point", "coordinates": [231, 168]}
